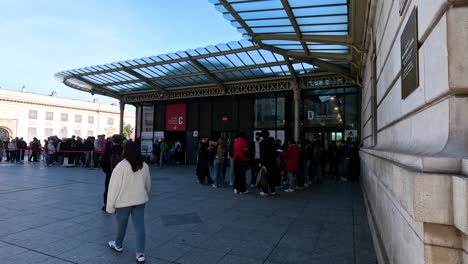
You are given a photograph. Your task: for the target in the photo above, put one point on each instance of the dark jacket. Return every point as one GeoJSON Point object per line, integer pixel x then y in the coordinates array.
{"type": "Point", "coordinates": [111, 149]}
{"type": "Point", "coordinates": [21, 144]}
{"type": "Point", "coordinates": [203, 160]}
{"type": "Point", "coordinates": [267, 151]}
{"type": "Point", "coordinates": [252, 150]}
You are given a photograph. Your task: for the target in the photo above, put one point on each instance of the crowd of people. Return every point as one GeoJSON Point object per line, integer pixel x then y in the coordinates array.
{"type": "Point", "coordinates": [67, 152]}
{"type": "Point", "coordinates": [272, 164]}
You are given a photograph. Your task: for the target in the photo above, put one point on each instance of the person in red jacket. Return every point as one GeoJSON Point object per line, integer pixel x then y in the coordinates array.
{"type": "Point", "coordinates": [291, 157]}
{"type": "Point", "coordinates": [241, 147]}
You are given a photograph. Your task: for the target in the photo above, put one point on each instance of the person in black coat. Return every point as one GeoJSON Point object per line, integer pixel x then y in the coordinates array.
{"type": "Point", "coordinates": [203, 171]}
{"type": "Point", "coordinates": [111, 156]}
{"type": "Point", "coordinates": [267, 159]}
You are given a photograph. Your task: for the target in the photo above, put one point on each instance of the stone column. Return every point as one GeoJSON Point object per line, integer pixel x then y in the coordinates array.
{"type": "Point", "coordinates": [297, 114]}
{"type": "Point", "coordinates": [122, 111]}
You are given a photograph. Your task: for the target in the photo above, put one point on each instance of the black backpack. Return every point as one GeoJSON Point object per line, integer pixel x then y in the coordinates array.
{"type": "Point", "coordinates": [115, 157]}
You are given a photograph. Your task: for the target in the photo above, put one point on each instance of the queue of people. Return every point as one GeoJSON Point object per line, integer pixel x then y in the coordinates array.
{"type": "Point", "coordinates": [66, 152]}
{"type": "Point", "coordinates": [292, 165]}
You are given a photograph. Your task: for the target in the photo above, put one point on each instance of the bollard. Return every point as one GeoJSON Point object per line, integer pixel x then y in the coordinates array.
{"type": "Point", "coordinates": [92, 161]}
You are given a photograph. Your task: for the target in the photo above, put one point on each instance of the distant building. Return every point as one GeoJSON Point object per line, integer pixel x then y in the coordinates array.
{"type": "Point", "coordinates": [29, 115]}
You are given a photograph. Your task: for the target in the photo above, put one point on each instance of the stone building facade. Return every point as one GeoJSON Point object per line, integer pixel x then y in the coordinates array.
{"type": "Point", "coordinates": [415, 150]}
{"type": "Point", "coordinates": [29, 115]}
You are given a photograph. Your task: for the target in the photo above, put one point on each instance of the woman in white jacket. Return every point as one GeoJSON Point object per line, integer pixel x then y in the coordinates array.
{"type": "Point", "coordinates": [129, 190]}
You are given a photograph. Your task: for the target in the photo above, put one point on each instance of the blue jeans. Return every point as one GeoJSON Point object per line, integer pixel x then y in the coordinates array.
{"type": "Point", "coordinates": [138, 219]}
{"type": "Point", "coordinates": [218, 166]}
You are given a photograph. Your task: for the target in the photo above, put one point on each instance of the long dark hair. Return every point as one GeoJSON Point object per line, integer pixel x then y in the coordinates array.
{"type": "Point", "coordinates": [133, 155]}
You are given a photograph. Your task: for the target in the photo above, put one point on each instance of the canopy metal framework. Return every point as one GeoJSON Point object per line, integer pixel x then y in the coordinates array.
{"type": "Point", "coordinates": [326, 33]}
{"type": "Point", "coordinates": [309, 44]}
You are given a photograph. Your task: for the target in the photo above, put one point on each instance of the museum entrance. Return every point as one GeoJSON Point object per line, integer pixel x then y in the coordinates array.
{"type": "Point", "coordinates": [330, 114]}
{"type": "Point", "coordinates": [324, 135]}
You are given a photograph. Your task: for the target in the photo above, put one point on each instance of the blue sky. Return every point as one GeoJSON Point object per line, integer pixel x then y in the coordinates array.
{"type": "Point", "coordinates": [42, 37]}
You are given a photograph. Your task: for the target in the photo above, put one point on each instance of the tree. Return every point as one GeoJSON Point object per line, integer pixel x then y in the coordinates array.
{"type": "Point", "coordinates": [127, 131]}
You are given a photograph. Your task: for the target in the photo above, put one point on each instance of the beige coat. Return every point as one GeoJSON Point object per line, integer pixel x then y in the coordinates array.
{"type": "Point", "coordinates": [128, 188]}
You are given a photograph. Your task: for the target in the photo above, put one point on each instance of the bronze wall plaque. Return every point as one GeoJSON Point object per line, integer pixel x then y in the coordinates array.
{"type": "Point", "coordinates": [409, 56]}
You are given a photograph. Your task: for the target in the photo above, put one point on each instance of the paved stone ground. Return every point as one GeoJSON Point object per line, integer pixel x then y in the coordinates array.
{"type": "Point", "coordinates": [52, 215]}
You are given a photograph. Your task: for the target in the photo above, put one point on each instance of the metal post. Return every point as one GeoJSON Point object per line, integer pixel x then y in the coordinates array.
{"type": "Point", "coordinates": [297, 116]}
{"type": "Point", "coordinates": [92, 160]}
{"type": "Point", "coordinates": [121, 124]}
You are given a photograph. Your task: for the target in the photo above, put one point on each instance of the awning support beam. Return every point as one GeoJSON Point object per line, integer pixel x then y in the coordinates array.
{"type": "Point", "coordinates": [316, 62]}
{"type": "Point", "coordinates": [208, 74]}
{"type": "Point", "coordinates": [293, 21]}
{"type": "Point", "coordinates": [142, 78]}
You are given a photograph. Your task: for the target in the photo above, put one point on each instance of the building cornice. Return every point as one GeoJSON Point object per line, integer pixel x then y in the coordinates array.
{"type": "Point", "coordinates": [97, 109]}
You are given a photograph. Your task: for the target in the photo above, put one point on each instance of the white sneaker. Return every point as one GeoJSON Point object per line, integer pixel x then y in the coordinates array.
{"type": "Point", "coordinates": [343, 179]}
{"type": "Point", "coordinates": [140, 258]}
{"type": "Point", "coordinates": [289, 190]}
{"type": "Point", "coordinates": [114, 247]}
{"type": "Point", "coordinates": [214, 186]}
{"type": "Point", "coordinates": [235, 191]}
{"type": "Point", "coordinates": [246, 192]}
{"type": "Point", "coordinates": [263, 194]}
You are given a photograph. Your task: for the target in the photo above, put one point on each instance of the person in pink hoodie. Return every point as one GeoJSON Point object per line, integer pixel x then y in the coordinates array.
{"type": "Point", "coordinates": [291, 157]}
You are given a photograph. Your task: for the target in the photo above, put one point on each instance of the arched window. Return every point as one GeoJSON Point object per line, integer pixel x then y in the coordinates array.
{"type": "Point", "coordinates": [4, 133]}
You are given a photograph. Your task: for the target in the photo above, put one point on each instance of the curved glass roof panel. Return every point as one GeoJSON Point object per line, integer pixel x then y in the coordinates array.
{"type": "Point", "coordinates": [279, 28]}
{"type": "Point", "coordinates": [277, 21]}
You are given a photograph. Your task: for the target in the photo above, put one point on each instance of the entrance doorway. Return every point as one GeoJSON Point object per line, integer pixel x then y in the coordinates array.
{"type": "Point", "coordinates": [171, 138]}
{"type": "Point", "coordinates": [323, 135]}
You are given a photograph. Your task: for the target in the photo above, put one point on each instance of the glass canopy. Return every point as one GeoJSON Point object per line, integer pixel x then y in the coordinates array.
{"type": "Point", "coordinates": [283, 39]}
{"type": "Point", "coordinates": [296, 27]}
{"type": "Point", "coordinates": [230, 62]}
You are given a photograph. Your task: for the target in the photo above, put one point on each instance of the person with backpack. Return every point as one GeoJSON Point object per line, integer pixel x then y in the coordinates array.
{"type": "Point", "coordinates": [164, 148]}
{"type": "Point", "coordinates": [203, 171]}
{"type": "Point", "coordinates": [291, 157]}
{"type": "Point", "coordinates": [241, 148]}
{"type": "Point", "coordinates": [267, 159]}
{"type": "Point", "coordinates": [50, 150]}
{"type": "Point", "coordinates": [218, 163]}
{"type": "Point", "coordinates": [129, 191]}
{"type": "Point", "coordinates": [111, 157]}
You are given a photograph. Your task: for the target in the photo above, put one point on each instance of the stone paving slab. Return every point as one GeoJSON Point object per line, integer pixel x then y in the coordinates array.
{"type": "Point", "coordinates": [53, 215]}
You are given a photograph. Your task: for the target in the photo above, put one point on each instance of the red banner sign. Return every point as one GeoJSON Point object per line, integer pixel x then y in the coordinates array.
{"type": "Point", "coordinates": [175, 117]}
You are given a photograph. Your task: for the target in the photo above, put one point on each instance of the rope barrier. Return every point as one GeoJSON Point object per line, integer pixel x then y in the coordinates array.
{"type": "Point", "coordinates": [55, 151]}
